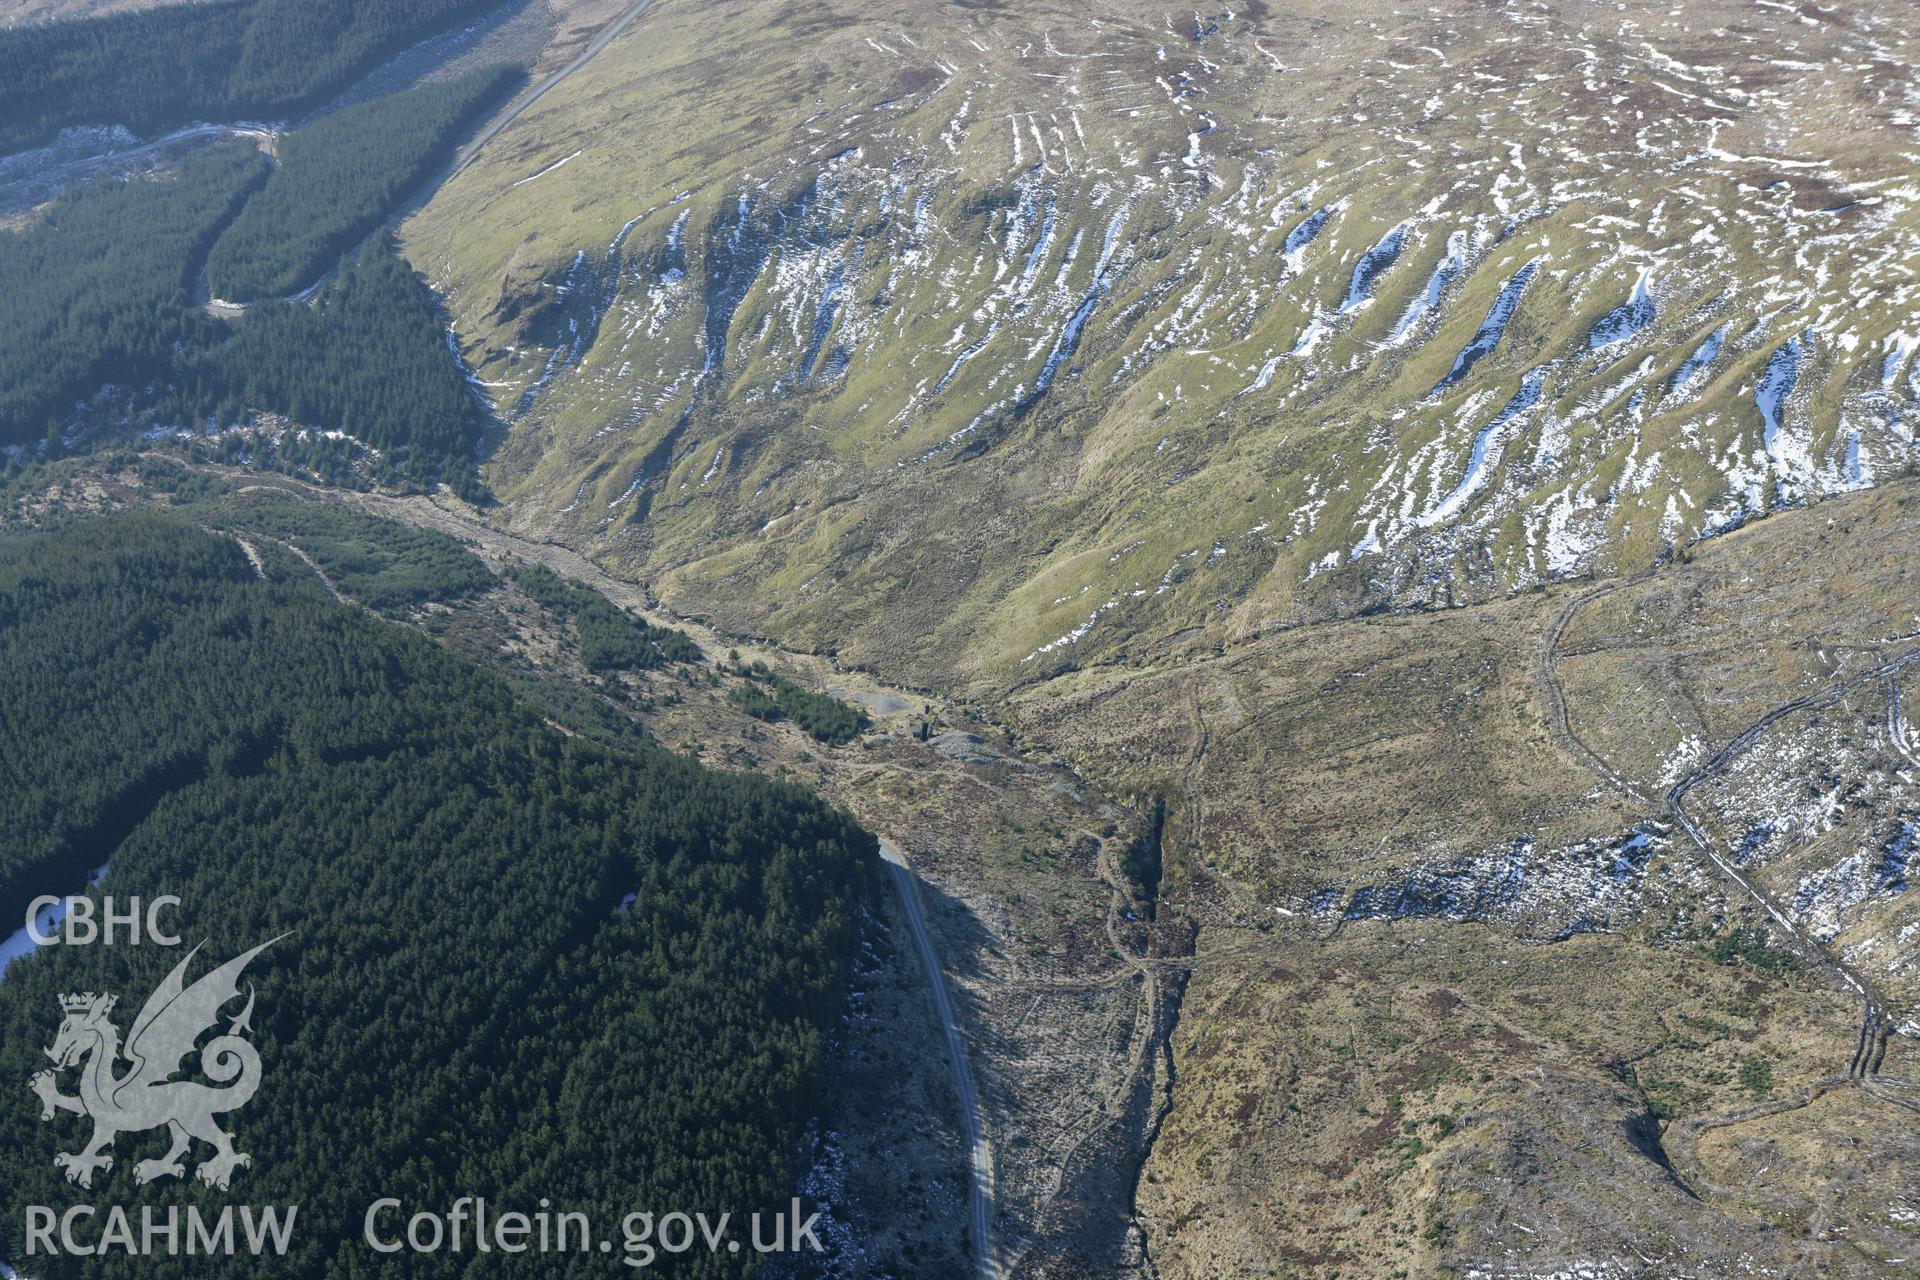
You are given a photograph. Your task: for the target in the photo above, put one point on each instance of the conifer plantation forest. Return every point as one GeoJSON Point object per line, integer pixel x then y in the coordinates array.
{"type": "Point", "coordinates": [516, 963]}
{"type": "Point", "coordinates": [336, 180]}
{"type": "Point", "coordinates": [523, 951]}
{"type": "Point", "coordinates": [230, 59]}
{"type": "Point", "coordinates": [124, 297]}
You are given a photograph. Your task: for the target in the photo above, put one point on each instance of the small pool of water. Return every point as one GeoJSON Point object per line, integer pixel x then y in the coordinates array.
{"type": "Point", "coordinates": [20, 942]}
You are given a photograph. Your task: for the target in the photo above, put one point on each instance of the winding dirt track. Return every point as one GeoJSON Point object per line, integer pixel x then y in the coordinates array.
{"type": "Point", "coordinates": [1896, 721]}
{"type": "Point", "coordinates": [1547, 676]}
{"type": "Point", "coordinates": [1824, 696]}
{"type": "Point", "coordinates": [1870, 1048]}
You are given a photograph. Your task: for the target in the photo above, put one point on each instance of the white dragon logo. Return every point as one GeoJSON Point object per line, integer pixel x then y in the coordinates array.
{"type": "Point", "coordinates": [145, 1097]}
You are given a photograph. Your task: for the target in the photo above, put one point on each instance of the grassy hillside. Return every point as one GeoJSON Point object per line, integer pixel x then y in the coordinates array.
{"type": "Point", "coordinates": [984, 341]}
